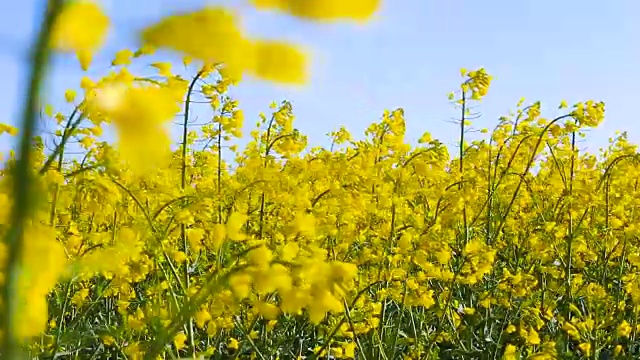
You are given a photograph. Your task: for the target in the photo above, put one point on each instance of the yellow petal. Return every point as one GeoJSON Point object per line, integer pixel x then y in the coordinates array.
{"type": "Point", "coordinates": [85, 57]}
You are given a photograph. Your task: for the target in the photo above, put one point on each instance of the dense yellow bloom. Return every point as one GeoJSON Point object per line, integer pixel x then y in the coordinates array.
{"type": "Point", "coordinates": [338, 242]}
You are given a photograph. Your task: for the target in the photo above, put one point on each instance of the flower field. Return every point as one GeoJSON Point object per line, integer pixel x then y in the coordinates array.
{"type": "Point", "coordinates": [514, 246]}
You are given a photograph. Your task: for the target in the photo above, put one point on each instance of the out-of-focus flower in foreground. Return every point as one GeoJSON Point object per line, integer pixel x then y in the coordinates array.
{"type": "Point", "coordinates": [213, 36]}
{"type": "Point", "coordinates": [82, 28]}
{"type": "Point", "coordinates": [323, 10]}
{"type": "Point", "coordinates": [140, 114]}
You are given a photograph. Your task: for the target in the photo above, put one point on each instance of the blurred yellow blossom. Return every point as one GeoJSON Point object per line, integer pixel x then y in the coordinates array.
{"type": "Point", "coordinates": [81, 27]}
{"type": "Point", "coordinates": [213, 35]}
{"type": "Point", "coordinates": [323, 10]}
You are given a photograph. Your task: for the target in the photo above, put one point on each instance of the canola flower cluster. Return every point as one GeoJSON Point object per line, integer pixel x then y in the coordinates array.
{"type": "Point", "coordinates": [520, 247]}
{"type": "Point", "coordinates": [210, 35]}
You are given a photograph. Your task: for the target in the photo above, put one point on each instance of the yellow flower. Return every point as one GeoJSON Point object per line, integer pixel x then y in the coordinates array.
{"type": "Point", "coordinates": [563, 104]}
{"type": "Point", "coordinates": [86, 142]}
{"type": "Point", "coordinates": [11, 130]}
{"type": "Point", "coordinates": [85, 57]}
{"type": "Point", "coordinates": [260, 257]}
{"type": "Point", "coordinates": [533, 338]}
{"type": "Point", "coordinates": [133, 351]}
{"type": "Point", "coordinates": [195, 237]}
{"type": "Point", "coordinates": [624, 329]}
{"type": "Point", "coordinates": [275, 278]}
{"type": "Point", "coordinates": [80, 297]}
{"type": "Point", "coordinates": [202, 317]}
{"type": "Point", "coordinates": [617, 350]}
{"type": "Point", "coordinates": [585, 348]}
{"type": "Point", "coordinates": [349, 350]}
{"type": "Point", "coordinates": [323, 10]}
{"type": "Point", "coordinates": [179, 256]}
{"type": "Point", "coordinates": [218, 235]}
{"type": "Point", "coordinates": [164, 68]}
{"type": "Point", "coordinates": [179, 341]}
{"type": "Point", "coordinates": [268, 311]}
{"type": "Point", "coordinates": [233, 344]}
{"type": "Point", "coordinates": [86, 84]}
{"type": "Point", "coordinates": [241, 285]}
{"type": "Point", "coordinates": [510, 353]}
{"type": "Point", "coordinates": [405, 242]}
{"type": "Point", "coordinates": [123, 57]}
{"type": "Point", "coordinates": [70, 95]}
{"type": "Point", "coordinates": [305, 224]}
{"type": "Point", "coordinates": [108, 340]}
{"type": "Point", "coordinates": [81, 27]}
{"type": "Point", "coordinates": [146, 49]}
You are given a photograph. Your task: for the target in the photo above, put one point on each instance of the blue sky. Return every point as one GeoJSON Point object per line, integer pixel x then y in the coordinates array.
{"type": "Point", "coordinates": [409, 57]}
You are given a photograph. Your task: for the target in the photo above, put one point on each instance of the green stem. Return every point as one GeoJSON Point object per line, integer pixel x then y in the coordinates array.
{"type": "Point", "coordinates": [23, 179]}
{"type": "Point", "coordinates": [183, 185]}
{"type": "Point", "coordinates": [461, 168]}
{"type": "Point", "coordinates": [60, 323]}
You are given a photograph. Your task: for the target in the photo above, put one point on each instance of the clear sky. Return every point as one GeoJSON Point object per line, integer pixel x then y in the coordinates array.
{"type": "Point", "coordinates": [410, 57]}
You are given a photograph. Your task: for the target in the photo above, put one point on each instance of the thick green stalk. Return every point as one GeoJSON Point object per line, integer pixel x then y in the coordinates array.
{"type": "Point", "coordinates": [23, 179]}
